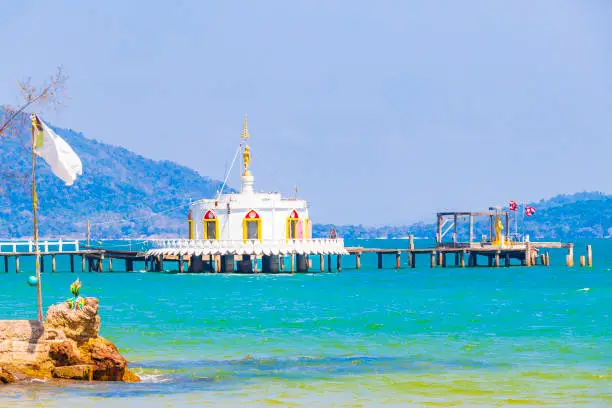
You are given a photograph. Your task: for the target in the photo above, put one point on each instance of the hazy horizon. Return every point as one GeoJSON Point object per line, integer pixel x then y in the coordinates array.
{"type": "Point", "coordinates": [381, 113]}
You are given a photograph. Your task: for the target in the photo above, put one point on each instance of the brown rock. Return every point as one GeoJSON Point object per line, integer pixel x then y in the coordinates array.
{"type": "Point", "coordinates": [75, 372]}
{"type": "Point", "coordinates": [6, 376]}
{"type": "Point", "coordinates": [78, 325]}
{"type": "Point", "coordinates": [64, 353]}
{"type": "Point", "coordinates": [130, 377]}
{"type": "Point", "coordinates": [9, 374]}
{"type": "Point", "coordinates": [110, 365]}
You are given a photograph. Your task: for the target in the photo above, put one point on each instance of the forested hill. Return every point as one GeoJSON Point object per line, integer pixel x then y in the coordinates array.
{"type": "Point", "coordinates": [563, 217]}
{"type": "Point", "coordinates": [116, 184]}
{"type": "Point", "coordinates": [127, 195]}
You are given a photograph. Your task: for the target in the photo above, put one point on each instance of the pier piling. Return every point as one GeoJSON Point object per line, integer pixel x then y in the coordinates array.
{"type": "Point", "coordinates": [357, 260]}
{"type": "Point", "coordinates": [72, 263]}
{"type": "Point", "coordinates": [339, 263]}
{"type": "Point", "coordinates": [322, 263]}
{"type": "Point", "coordinates": [582, 260]}
{"type": "Point", "coordinates": [398, 260]}
{"type": "Point", "coordinates": [589, 256]}
{"type": "Point", "coordinates": [16, 264]}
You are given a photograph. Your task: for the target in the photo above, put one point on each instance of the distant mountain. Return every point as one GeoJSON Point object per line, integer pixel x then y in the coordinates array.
{"type": "Point", "coordinates": [116, 185]}
{"type": "Point", "coordinates": [127, 195]}
{"type": "Point", "coordinates": [563, 217]}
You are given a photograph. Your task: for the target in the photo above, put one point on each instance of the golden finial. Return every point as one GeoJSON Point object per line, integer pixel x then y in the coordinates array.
{"type": "Point", "coordinates": [245, 130]}
{"type": "Point", "coordinates": [246, 155]}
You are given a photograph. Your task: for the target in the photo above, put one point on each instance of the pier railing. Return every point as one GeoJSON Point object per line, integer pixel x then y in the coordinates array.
{"type": "Point", "coordinates": [251, 246]}
{"type": "Point", "coordinates": [43, 246]}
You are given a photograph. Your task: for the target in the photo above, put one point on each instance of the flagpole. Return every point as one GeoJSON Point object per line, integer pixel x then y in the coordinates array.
{"type": "Point", "coordinates": [35, 221]}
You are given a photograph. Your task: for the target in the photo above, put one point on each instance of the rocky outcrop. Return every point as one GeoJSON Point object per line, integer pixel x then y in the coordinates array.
{"type": "Point", "coordinates": [79, 324]}
{"type": "Point", "coordinates": [66, 346]}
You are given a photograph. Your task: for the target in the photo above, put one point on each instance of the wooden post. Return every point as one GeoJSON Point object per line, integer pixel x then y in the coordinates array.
{"type": "Point", "coordinates": [582, 260]}
{"type": "Point", "coordinates": [380, 260]}
{"type": "Point", "coordinates": [528, 259]}
{"type": "Point", "coordinates": [358, 260]}
{"type": "Point", "coordinates": [440, 258]}
{"type": "Point", "coordinates": [433, 259]}
{"type": "Point", "coordinates": [110, 264]}
{"type": "Point", "coordinates": [569, 261]}
{"type": "Point", "coordinates": [6, 264]}
{"type": "Point", "coordinates": [443, 258]}
{"type": "Point", "coordinates": [329, 262]}
{"type": "Point", "coordinates": [293, 263]}
{"type": "Point", "coordinates": [589, 256]}
{"type": "Point", "coordinates": [72, 263]}
{"type": "Point", "coordinates": [507, 224]}
{"type": "Point", "coordinates": [413, 260]}
{"type": "Point", "coordinates": [507, 259]}
{"type": "Point", "coordinates": [218, 264]}
{"type": "Point", "coordinates": [101, 263]}
{"type": "Point", "coordinates": [281, 260]}
{"type": "Point", "coordinates": [129, 265]}
{"type": "Point", "coordinates": [309, 259]}
{"type": "Point", "coordinates": [398, 260]}
{"type": "Point", "coordinates": [471, 228]}
{"type": "Point", "coordinates": [53, 264]}
{"type": "Point", "coordinates": [181, 264]}
{"type": "Point", "coordinates": [146, 264]}
{"type": "Point", "coordinates": [439, 230]}
{"type": "Point", "coordinates": [42, 264]}
{"type": "Point", "coordinates": [455, 231]}
{"type": "Point", "coordinates": [497, 263]}
{"type": "Point", "coordinates": [462, 255]}
{"type": "Point", "coordinates": [339, 263]}
{"type": "Point", "coordinates": [411, 242]}
{"type": "Point", "coordinates": [83, 263]}
{"type": "Point", "coordinates": [543, 259]}
{"type": "Point", "coordinates": [16, 264]}
{"type": "Point", "coordinates": [322, 263]}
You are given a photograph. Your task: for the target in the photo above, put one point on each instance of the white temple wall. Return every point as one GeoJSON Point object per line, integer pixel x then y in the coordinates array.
{"type": "Point", "coordinates": [272, 210]}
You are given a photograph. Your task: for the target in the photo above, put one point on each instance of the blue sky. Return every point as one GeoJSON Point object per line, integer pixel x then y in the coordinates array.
{"type": "Point", "coordinates": [381, 112]}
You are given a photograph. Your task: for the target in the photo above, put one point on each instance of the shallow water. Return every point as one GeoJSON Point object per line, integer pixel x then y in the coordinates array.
{"type": "Point", "coordinates": [441, 337]}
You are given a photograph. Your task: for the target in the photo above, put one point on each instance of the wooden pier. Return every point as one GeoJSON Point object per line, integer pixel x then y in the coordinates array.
{"type": "Point", "coordinates": [455, 254]}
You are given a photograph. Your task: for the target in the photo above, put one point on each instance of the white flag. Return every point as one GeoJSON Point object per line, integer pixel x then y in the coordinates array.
{"type": "Point", "coordinates": [64, 162]}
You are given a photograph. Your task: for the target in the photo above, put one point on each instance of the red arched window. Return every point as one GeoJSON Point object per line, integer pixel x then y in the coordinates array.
{"type": "Point", "coordinates": [211, 225]}
{"type": "Point", "coordinates": [292, 225]}
{"type": "Point", "coordinates": [251, 226]}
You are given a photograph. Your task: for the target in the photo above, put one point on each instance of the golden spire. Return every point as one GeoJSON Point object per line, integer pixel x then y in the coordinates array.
{"type": "Point", "coordinates": [245, 130]}
{"type": "Point", "coordinates": [246, 154]}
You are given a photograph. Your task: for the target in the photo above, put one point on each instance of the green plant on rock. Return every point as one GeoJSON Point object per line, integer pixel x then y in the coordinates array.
{"type": "Point", "coordinates": [76, 301]}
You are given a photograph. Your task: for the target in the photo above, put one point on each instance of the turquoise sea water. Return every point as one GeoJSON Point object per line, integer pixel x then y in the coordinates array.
{"type": "Point", "coordinates": [409, 337]}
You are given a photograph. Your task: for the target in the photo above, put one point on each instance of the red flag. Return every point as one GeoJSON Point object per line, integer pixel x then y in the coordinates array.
{"type": "Point", "coordinates": [513, 205]}
{"type": "Point", "coordinates": [529, 211]}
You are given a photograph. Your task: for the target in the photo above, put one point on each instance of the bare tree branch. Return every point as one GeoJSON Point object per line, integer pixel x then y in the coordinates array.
{"type": "Point", "coordinates": [11, 121]}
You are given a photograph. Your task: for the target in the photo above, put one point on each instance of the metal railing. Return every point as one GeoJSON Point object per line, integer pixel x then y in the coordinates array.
{"type": "Point", "coordinates": [43, 246]}
{"type": "Point", "coordinates": [252, 245]}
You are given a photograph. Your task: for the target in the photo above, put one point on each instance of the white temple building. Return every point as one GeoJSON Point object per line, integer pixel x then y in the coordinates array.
{"type": "Point", "coordinates": [231, 232]}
